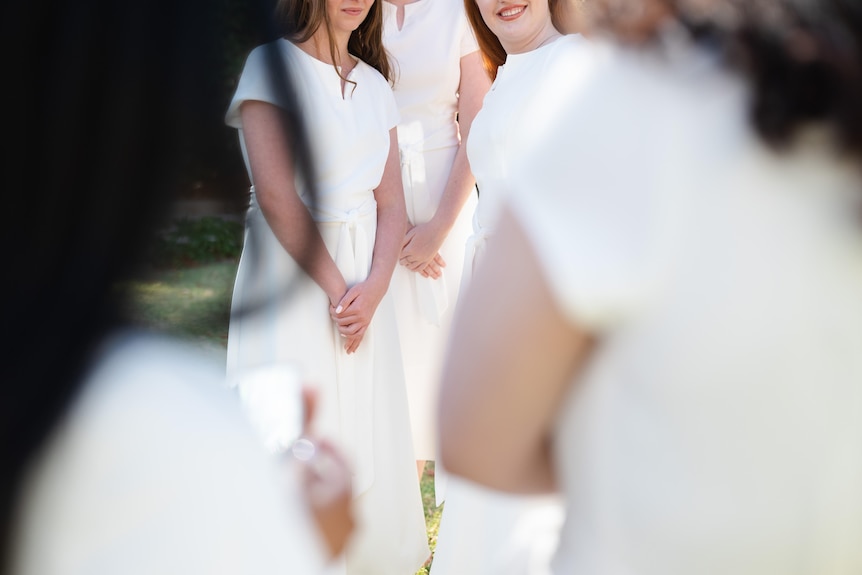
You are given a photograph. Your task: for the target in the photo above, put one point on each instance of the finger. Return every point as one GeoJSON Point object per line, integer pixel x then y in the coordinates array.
{"type": "Point", "coordinates": [309, 407]}
{"type": "Point", "coordinates": [433, 269]}
{"type": "Point", "coordinates": [352, 344]}
{"type": "Point", "coordinates": [407, 237]}
{"type": "Point", "coordinates": [343, 319]}
{"type": "Point", "coordinates": [350, 330]}
{"type": "Point", "coordinates": [438, 259]}
{"type": "Point", "coordinates": [347, 299]}
{"type": "Point", "coordinates": [356, 341]}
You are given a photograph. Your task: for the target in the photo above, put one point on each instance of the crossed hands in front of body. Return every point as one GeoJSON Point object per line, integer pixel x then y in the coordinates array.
{"type": "Point", "coordinates": [353, 313]}
{"type": "Point", "coordinates": [420, 250]}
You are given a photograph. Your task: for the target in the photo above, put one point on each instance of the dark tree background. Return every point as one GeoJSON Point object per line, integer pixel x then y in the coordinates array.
{"type": "Point", "coordinates": [212, 166]}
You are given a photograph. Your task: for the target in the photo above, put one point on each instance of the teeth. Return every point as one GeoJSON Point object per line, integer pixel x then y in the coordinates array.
{"type": "Point", "coordinates": [511, 11]}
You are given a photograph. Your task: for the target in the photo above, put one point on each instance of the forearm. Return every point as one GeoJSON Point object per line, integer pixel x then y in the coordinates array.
{"type": "Point", "coordinates": [271, 159]}
{"type": "Point", "coordinates": [391, 220]}
{"type": "Point", "coordinates": [458, 188]}
{"type": "Point", "coordinates": [391, 227]}
{"type": "Point", "coordinates": [298, 234]}
{"type": "Point", "coordinates": [510, 363]}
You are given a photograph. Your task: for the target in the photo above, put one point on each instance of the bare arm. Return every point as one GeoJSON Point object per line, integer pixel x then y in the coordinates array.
{"type": "Point", "coordinates": [509, 364]}
{"type": "Point", "coordinates": [273, 173]}
{"type": "Point", "coordinates": [423, 241]}
{"type": "Point", "coordinates": [354, 311]}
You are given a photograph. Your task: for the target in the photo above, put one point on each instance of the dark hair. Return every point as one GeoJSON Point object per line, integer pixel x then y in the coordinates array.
{"type": "Point", "coordinates": [802, 59]}
{"type": "Point", "coordinates": [492, 51]}
{"type": "Point", "coordinates": [301, 19]}
{"type": "Point", "coordinates": [108, 100]}
{"type": "Point", "coordinates": [804, 66]}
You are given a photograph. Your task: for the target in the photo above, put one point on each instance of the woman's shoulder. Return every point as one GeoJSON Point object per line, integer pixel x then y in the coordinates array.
{"type": "Point", "coordinates": [280, 47]}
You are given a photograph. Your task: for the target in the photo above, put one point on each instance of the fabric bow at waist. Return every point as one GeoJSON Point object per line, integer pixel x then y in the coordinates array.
{"type": "Point", "coordinates": [355, 244]}
{"type": "Point", "coordinates": [475, 248]}
{"type": "Point", "coordinates": [354, 373]}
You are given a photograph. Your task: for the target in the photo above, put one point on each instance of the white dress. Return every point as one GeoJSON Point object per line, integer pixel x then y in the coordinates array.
{"type": "Point", "coordinates": [280, 316]}
{"type": "Point", "coordinates": [718, 427]}
{"type": "Point", "coordinates": [426, 54]}
{"type": "Point", "coordinates": [155, 470]}
{"type": "Point", "coordinates": [484, 531]}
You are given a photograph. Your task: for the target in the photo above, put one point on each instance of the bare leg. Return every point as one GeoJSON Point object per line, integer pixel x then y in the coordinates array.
{"type": "Point", "coordinates": [420, 469]}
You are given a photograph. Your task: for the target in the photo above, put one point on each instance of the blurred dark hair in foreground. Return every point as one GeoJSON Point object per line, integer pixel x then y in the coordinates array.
{"type": "Point", "coordinates": [107, 104]}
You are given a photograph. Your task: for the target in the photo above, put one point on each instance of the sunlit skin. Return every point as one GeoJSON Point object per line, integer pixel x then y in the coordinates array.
{"type": "Point", "coordinates": [520, 25]}
{"type": "Point", "coordinates": [345, 16]}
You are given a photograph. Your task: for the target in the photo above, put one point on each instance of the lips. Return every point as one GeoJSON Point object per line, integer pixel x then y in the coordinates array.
{"type": "Point", "coordinates": [511, 12]}
{"type": "Point", "coordinates": [353, 11]}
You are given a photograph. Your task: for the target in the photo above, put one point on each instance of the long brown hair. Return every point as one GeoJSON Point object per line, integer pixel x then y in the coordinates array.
{"type": "Point", "coordinates": [301, 19]}
{"type": "Point", "coordinates": [493, 53]}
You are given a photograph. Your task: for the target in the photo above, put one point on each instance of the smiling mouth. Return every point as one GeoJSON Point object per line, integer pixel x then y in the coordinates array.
{"type": "Point", "coordinates": [353, 11]}
{"type": "Point", "coordinates": [511, 13]}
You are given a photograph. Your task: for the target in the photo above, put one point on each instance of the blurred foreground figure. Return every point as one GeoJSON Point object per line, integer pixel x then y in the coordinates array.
{"type": "Point", "coordinates": [667, 326]}
{"type": "Point", "coordinates": [123, 452]}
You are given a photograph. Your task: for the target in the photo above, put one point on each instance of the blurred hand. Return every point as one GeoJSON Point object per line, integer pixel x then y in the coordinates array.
{"type": "Point", "coordinates": [421, 247]}
{"type": "Point", "coordinates": [434, 268]}
{"type": "Point", "coordinates": [354, 313]}
{"type": "Point", "coordinates": [326, 484]}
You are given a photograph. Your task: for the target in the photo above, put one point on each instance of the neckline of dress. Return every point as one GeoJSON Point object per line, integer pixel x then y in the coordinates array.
{"type": "Point", "coordinates": [346, 91]}
{"type": "Point", "coordinates": [527, 55]}
{"type": "Point", "coordinates": [321, 62]}
{"type": "Point", "coordinates": [409, 7]}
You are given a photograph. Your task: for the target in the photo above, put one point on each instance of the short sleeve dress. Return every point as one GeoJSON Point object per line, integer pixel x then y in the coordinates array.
{"type": "Point", "coordinates": [523, 85]}
{"type": "Point", "coordinates": [483, 531]}
{"type": "Point", "coordinates": [718, 425]}
{"type": "Point", "coordinates": [426, 54]}
{"type": "Point", "coordinates": [279, 315]}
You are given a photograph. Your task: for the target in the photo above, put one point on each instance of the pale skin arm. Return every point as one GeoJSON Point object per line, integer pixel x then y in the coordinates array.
{"type": "Point", "coordinates": [353, 312]}
{"type": "Point", "coordinates": [272, 169]}
{"type": "Point", "coordinates": [422, 242]}
{"type": "Point", "coordinates": [510, 362]}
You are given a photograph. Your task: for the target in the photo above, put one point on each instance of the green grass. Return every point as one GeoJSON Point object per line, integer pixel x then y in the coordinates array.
{"type": "Point", "coordinates": [194, 302]}
{"type": "Point", "coordinates": [432, 512]}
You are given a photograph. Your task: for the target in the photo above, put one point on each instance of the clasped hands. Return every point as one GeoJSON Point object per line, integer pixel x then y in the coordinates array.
{"type": "Point", "coordinates": [420, 251]}
{"type": "Point", "coordinates": [352, 313]}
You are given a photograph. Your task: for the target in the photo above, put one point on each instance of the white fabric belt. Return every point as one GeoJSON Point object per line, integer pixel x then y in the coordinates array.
{"type": "Point", "coordinates": [354, 372]}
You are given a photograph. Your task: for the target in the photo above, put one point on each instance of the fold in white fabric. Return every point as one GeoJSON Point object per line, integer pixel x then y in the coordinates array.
{"type": "Point", "coordinates": [354, 371]}
{"type": "Point", "coordinates": [433, 296]}
{"type": "Point", "coordinates": [474, 249]}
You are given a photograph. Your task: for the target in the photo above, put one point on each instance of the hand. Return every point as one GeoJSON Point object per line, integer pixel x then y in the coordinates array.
{"type": "Point", "coordinates": [354, 313]}
{"type": "Point", "coordinates": [326, 485]}
{"type": "Point", "coordinates": [433, 269]}
{"type": "Point", "coordinates": [421, 246]}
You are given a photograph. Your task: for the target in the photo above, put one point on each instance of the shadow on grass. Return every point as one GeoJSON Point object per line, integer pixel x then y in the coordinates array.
{"type": "Point", "coordinates": [191, 302]}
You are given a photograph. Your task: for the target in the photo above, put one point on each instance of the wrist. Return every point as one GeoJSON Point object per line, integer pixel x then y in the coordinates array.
{"type": "Point", "coordinates": [440, 226]}
{"type": "Point", "coordinates": [376, 284]}
{"type": "Point", "coordinates": [336, 293]}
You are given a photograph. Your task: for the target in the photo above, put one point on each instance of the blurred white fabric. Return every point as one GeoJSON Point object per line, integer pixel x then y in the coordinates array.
{"type": "Point", "coordinates": [155, 470]}
{"type": "Point", "coordinates": [717, 427]}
